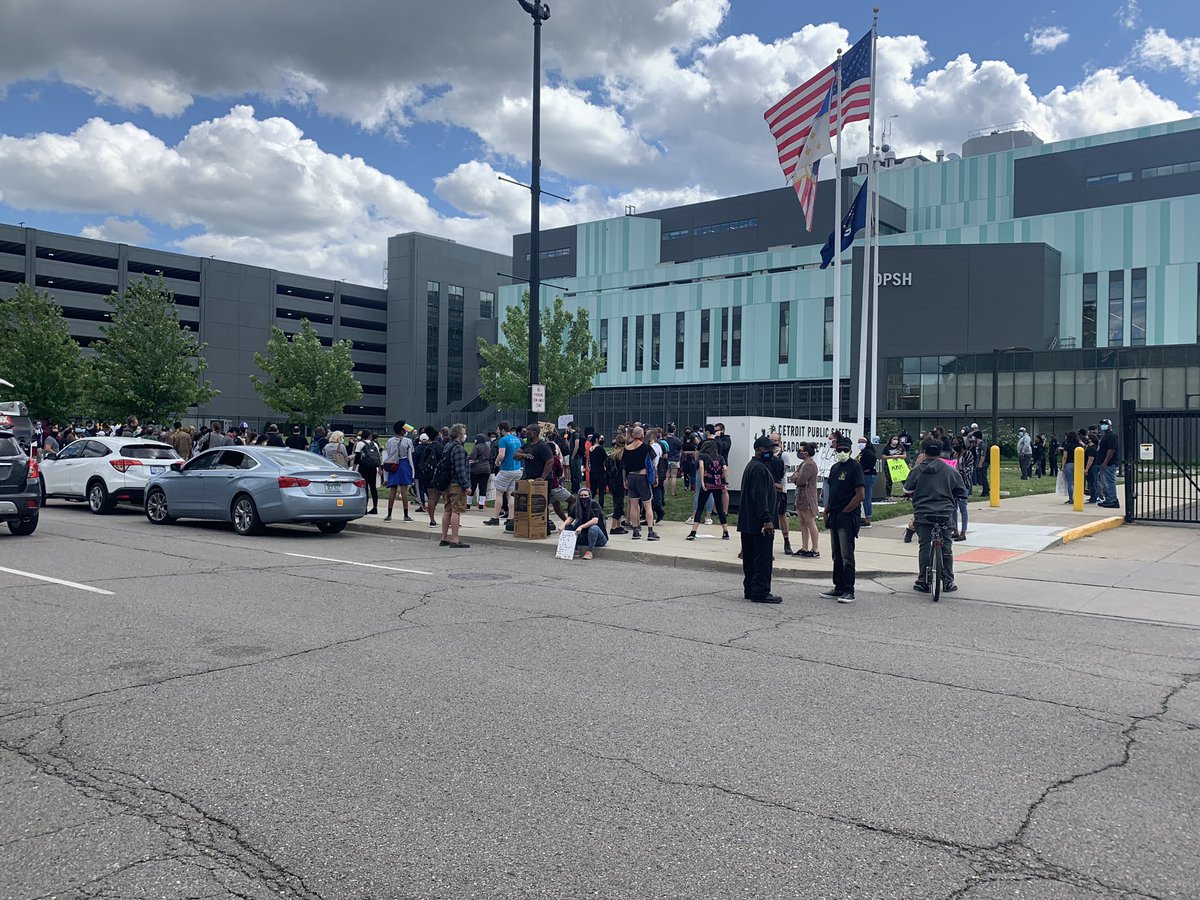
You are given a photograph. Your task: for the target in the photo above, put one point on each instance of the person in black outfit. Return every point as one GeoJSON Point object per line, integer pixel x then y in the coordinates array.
{"type": "Point", "coordinates": [296, 440]}
{"type": "Point", "coordinates": [598, 475]}
{"type": "Point", "coordinates": [846, 492]}
{"type": "Point", "coordinates": [756, 524]}
{"type": "Point", "coordinates": [1053, 450]}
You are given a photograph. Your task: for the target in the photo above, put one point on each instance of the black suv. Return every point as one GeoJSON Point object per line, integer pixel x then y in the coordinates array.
{"type": "Point", "coordinates": [20, 490]}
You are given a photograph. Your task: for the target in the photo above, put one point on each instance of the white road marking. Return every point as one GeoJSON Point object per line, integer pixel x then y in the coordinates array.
{"type": "Point", "coordinates": [350, 562]}
{"type": "Point", "coordinates": [70, 584]}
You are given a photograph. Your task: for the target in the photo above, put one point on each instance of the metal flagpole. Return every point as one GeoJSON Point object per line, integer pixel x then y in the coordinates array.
{"type": "Point", "coordinates": [875, 267]}
{"type": "Point", "coordinates": [837, 256]}
{"type": "Point", "coordinates": [867, 275]}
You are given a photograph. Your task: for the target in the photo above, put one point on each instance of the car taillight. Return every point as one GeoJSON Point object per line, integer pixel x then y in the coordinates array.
{"type": "Point", "coordinates": [360, 482]}
{"type": "Point", "coordinates": [287, 481]}
{"type": "Point", "coordinates": [31, 470]}
{"type": "Point", "coordinates": [122, 465]}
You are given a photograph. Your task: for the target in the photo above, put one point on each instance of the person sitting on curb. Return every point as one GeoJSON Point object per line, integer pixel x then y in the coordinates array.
{"type": "Point", "coordinates": [587, 521]}
{"type": "Point", "coordinates": [936, 489]}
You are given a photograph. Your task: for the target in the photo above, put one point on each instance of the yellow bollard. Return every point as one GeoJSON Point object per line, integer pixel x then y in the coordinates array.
{"type": "Point", "coordinates": [1077, 490]}
{"type": "Point", "coordinates": [994, 466]}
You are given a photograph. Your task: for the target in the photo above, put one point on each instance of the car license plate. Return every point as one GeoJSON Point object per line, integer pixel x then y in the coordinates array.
{"type": "Point", "coordinates": [156, 470]}
{"type": "Point", "coordinates": [333, 487]}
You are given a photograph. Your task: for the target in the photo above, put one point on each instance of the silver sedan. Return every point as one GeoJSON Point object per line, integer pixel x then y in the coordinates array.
{"type": "Point", "coordinates": [256, 486]}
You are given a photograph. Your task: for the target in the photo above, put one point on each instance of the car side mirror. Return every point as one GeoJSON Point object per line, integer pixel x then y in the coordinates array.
{"type": "Point", "coordinates": [47, 456]}
{"type": "Point", "coordinates": [177, 465]}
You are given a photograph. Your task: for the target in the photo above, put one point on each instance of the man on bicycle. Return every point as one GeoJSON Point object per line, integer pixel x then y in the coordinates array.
{"type": "Point", "coordinates": [935, 489]}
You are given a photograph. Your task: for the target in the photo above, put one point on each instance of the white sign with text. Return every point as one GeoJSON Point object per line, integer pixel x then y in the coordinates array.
{"type": "Point", "coordinates": [792, 432]}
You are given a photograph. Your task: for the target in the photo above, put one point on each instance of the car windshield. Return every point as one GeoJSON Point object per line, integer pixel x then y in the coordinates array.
{"type": "Point", "coordinates": [298, 459]}
{"type": "Point", "coordinates": [148, 451]}
{"type": "Point", "coordinates": [9, 446]}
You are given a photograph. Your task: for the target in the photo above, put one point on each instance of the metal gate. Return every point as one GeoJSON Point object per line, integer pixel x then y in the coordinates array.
{"type": "Point", "coordinates": [1162, 464]}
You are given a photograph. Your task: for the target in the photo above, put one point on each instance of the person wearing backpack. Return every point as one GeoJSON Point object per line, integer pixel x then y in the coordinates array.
{"type": "Point", "coordinates": [367, 458]}
{"type": "Point", "coordinates": [714, 482]}
{"type": "Point", "coordinates": [430, 466]}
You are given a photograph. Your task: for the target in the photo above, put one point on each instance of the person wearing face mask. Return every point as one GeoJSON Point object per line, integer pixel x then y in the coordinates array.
{"type": "Point", "coordinates": [893, 450]}
{"type": "Point", "coordinates": [867, 458]}
{"type": "Point", "coordinates": [779, 473]}
{"type": "Point", "coordinates": [936, 489]}
{"type": "Point", "coordinates": [1024, 452]}
{"type": "Point", "coordinates": [805, 479]}
{"type": "Point", "coordinates": [756, 524]}
{"type": "Point", "coordinates": [1107, 457]}
{"type": "Point", "coordinates": [587, 521]}
{"type": "Point", "coordinates": [846, 491]}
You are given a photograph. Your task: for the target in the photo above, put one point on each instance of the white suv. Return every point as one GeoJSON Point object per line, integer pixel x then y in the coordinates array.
{"type": "Point", "coordinates": [103, 470]}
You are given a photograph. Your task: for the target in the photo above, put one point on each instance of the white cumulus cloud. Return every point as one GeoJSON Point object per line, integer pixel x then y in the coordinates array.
{"type": "Point", "coordinates": [1046, 38]}
{"type": "Point", "coordinates": [1158, 50]}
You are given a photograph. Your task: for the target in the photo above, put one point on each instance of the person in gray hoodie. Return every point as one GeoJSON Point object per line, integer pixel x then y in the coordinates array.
{"type": "Point", "coordinates": [935, 489]}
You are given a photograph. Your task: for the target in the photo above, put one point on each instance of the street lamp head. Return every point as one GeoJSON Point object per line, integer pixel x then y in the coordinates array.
{"type": "Point", "coordinates": [539, 11]}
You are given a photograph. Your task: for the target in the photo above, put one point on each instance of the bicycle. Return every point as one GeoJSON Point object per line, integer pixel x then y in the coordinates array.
{"type": "Point", "coordinates": [938, 538]}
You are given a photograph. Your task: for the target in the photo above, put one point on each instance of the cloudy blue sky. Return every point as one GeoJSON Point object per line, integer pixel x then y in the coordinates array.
{"type": "Point", "coordinates": [299, 134]}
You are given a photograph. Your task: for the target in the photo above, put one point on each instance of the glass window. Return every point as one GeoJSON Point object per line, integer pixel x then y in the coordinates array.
{"type": "Point", "coordinates": [1004, 396]}
{"type": "Point", "coordinates": [785, 312]}
{"type": "Point", "coordinates": [639, 344]}
{"type": "Point", "coordinates": [1111, 178]}
{"type": "Point", "coordinates": [947, 390]}
{"type": "Point", "coordinates": [929, 392]}
{"type": "Point", "coordinates": [625, 343]}
{"type": "Point", "coordinates": [487, 304]}
{"type": "Point", "coordinates": [966, 393]}
{"type": "Point", "coordinates": [94, 450]}
{"type": "Point", "coordinates": [655, 341]}
{"type": "Point", "coordinates": [433, 349]}
{"type": "Point", "coordinates": [604, 339]}
{"type": "Point", "coordinates": [1064, 389]}
{"type": "Point", "coordinates": [1043, 390]}
{"type": "Point", "coordinates": [202, 462]}
{"type": "Point", "coordinates": [1089, 309]}
{"type": "Point", "coordinates": [680, 330]}
{"type": "Point", "coordinates": [1116, 309]}
{"type": "Point", "coordinates": [724, 336]}
{"type": "Point", "coordinates": [828, 341]}
{"type": "Point", "coordinates": [1137, 308]}
{"type": "Point", "coordinates": [737, 336]}
{"type": "Point", "coordinates": [1023, 390]}
{"type": "Point", "coordinates": [456, 311]}
{"type": "Point", "coordinates": [705, 316]}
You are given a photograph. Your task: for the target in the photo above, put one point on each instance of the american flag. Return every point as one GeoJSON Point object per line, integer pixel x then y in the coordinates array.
{"type": "Point", "coordinates": [792, 117]}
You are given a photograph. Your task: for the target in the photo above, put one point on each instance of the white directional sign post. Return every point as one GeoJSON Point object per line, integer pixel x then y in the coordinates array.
{"type": "Point", "coordinates": [537, 398]}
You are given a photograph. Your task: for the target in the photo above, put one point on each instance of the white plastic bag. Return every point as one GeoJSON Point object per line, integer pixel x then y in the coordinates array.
{"type": "Point", "coordinates": [1060, 485]}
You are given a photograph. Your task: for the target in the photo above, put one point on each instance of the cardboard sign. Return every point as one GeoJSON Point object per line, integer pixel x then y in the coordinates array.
{"type": "Point", "coordinates": [898, 468]}
{"type": "Point", "coordinates": [952, 463]}
{"type": "Point", "coordinates": [566, 544]}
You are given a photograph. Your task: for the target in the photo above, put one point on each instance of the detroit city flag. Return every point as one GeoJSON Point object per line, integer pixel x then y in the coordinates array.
{"type": "Point", "coordinates": [792, 118]}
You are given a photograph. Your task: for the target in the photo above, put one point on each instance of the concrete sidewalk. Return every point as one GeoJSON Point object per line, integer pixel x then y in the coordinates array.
{"type": "Point", "coordinates": [1020, 527]}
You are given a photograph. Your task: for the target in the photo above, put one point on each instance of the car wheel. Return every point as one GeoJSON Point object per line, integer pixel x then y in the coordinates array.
{"type": "Point", "coordinates": [245, 515]}
{"type": "Point", "coordinates": [24, 527]}
{"type": "Point", "coordinates": [331, 527]}
{"type": "Point", "coordinates": [98, 498]}
{"type": "Point", "coordinates": [156, 508]}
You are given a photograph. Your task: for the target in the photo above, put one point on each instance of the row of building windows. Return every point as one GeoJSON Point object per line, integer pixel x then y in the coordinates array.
{"type": "Point", "coordinates": [327, 319]}
{"type": "Point", "coordinates": [433, 343]}
{"type": "Point", "coordinates": [1116, 308]}
{"type": "Point", "coordinates": [1063, 379]}
{"type": "Point", "coordinates": [550, 254]}
{"type": "Point", "coordinates": [1176, 169]}
{"type": "Point", "coordinates": [699, 230]}
{"type": "Point", "coordinates": [454, 338]}
{"type": "Point", "coordinates": [1183, 168]}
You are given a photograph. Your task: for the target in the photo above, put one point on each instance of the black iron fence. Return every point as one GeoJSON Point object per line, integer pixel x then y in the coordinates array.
{"type": "Point", "coordinates": [1162, 464]}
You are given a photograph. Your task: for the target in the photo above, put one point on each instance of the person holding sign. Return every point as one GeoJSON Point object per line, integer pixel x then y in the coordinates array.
{"type": "Point", "coordinates": [587, 521]}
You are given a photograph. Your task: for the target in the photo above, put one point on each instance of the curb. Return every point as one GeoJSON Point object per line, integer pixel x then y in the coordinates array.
{"type": "Point", "coordinates": [620, 553]}
{"type": "Point", "coordinates": [1082, 531]}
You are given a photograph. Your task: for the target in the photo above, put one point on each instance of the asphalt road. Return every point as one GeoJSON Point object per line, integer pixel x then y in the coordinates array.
{"type": "Point", "coordinates": [295, 715]}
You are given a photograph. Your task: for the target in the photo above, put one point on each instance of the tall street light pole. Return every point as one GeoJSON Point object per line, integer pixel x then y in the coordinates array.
{"type": "Point", "coordinates": [539, 12]}
{"type": "Point", "coordinates": [995, 436]}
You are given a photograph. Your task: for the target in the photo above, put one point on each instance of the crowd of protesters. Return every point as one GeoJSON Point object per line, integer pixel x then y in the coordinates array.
{"type": "Point", "coordinates": [642, 465]}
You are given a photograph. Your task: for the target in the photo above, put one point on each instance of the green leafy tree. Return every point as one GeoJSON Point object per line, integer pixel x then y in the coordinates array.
{"type": "Point", "coordinates": [38, 355]}
{"type": "Point", "coordinates": [306, 382]}
{"type": "Point", "coordinates": [570, 359]}
{"type": "Point", "coordinates": [147, 364]}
